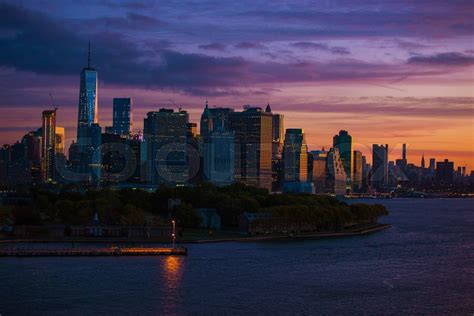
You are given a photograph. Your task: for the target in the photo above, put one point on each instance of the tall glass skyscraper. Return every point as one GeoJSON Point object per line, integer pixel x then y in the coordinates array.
{"type": "Point", "coordinates": [88, 105]}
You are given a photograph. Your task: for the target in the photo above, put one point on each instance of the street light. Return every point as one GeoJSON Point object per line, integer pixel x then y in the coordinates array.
{"type": "Point", "coordinates": [174, 233]}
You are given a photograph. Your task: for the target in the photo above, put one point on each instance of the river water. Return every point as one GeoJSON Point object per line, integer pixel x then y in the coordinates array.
{"type": "Point", "coordinates": [424, 264]}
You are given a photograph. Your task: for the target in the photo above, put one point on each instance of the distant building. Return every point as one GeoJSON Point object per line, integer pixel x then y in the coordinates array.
{"type": "Point", "coordinates": [215, 119]}
{"type": "Point", "coordinates": [318, 173]}
{"type": "Point", "coordinates": [335, 173]}
{"type": "Point", "coordinates": [295, 162]}
{"type": "Point", "coordinates": [122, 116]}
{"type": "Point", "coordinates": [33, 147]}
{"type": "Point", "coordinates": [343, 142]}
{"type": "Point", "coordinates": [253, 146]}
{"type": "Point", "coordinates": [191, 130]}
{"type": "Point", "coordinates": [277, 148]}
{"type": "Point", "coordinates": [432, 166]}
{"type": "Point", "coordinates": [358, 175]}
{"type": "Point", "coordinates": [88, 102]}
{"type": "Point", "coordinates": [60, 140]}
{"type": "Point", "coordinates": [444, 172]}
{"type": "Point", "coordinates": [401, 163]}
{"type": "Point", "coordinates": [165, 133]}
{"type": "Point", "coordinates": [219, 157]}
{"type": "Point", "coordinates": [48, 150]}
{"type": "Point", "coordinates": [379, 166]}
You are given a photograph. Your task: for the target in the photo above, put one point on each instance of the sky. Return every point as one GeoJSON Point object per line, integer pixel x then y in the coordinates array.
{"type": "Point", "coordinates": [389, 72]}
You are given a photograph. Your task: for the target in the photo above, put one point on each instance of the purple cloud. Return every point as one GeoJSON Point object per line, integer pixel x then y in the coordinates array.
{"type": "Point", "coordinates": [322, 47]}
{"type": "Point", "coordinates": [249, 45]}
{"type": "Point", "coordinates": [213, 46]}
{"type": "Point", "coordinates": [443, 59]}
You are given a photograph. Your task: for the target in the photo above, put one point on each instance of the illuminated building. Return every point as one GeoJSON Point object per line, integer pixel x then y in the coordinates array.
{"type": "Point", "coordinates": [60, 140]}
{"type": "Point", "coordinates": [253, 146]}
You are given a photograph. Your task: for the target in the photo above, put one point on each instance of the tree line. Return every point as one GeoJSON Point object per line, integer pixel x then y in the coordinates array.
{"type": "Point", "coordinates": [130, 207]}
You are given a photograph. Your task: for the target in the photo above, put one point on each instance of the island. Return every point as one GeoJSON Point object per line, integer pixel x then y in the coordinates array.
{"type": "Point", "coordinates": [199, 213]}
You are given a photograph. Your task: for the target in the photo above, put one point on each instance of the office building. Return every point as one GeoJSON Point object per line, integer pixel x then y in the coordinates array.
{"type": "Point", "coordinates": [318, 173]}
{"type": "Point", "coordinates": [60, 140]}
{"type": "Point", "coordinates": [219, 158]}
{"type": "Point", "coordinates": [343, 142]}
{"type": "Point", "coordinates": [48, 148]}
{"type": "Point", "coordinates": [88, 102]}
{"type": "Point", "coordinates": [165, 133]}
{"type": "Point", "coordinates": [379, 166]}
{"type": "Point", "coordinates": [277, 148]}
{"type": "Point", "coordinates": [358, 175]}
{"type": "Point", "coordinates": [295, 162]}
{"type": "Point", "coordinates": [444, 172]}
{"type": "Point", "coordinates": [122, 116]}
{"type": "Point", "coordinates": [253, 146]}
{"type": "Point", "coordinates": [336, 177]}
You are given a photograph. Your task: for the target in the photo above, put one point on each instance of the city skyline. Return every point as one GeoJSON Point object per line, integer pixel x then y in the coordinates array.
{"type": "Point", "coordinates": [420, 94]}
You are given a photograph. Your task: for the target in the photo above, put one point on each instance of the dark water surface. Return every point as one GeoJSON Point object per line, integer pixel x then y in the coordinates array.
{"type": "Point", "coordinates": [424, 264]}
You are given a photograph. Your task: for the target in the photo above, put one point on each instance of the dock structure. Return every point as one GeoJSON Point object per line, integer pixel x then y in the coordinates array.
{"type": "Point", "coordinates": [93, 252]}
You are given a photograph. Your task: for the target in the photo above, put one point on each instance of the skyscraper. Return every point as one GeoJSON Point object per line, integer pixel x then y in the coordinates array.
{"type": "Point", "coordinates": [277, 148]}
{"type": "Point", "coordinates": [48, 149]}
{"type": "Point", "coordinates": [295, 162]}
{"type": "Point", "coordinates": [165, 139]}
{"type": "Point", "coordinates": [253, 146]}
{"type": "Point", "coordinates": [295, 156]}
{"type": "Point", "coordinates": [88, 101]}
{"type": "Point", "coordinates": [357, 176]}
{"type": "Point", "coordinates": [379, 165]}
{"type": "Point", "coordinates": [219, 157]}
{"type": "Point", "coordinates": [444, 172]}
{"type": "Point", "coordinates": [215, 119]}
{"type": "Point", "coordinates": [343, 142]}
{"type": "Point", "coordinates": [319, 170]}
{"type": "Point", "coordinates": [335, 173]}
{"type": "Point", "coordinates": [432, 164]}
{"type": "Point", "coordinates": [33, 147]}
{"type": "Point", "coordinates": [60, 140]}
{"type": "Point", "coordinates": [122, 116]}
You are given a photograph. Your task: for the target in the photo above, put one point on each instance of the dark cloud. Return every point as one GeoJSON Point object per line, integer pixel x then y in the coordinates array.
{"type": "Point", "coordinates": [322, 47]}
{"type": "Point", "coordinates": [340, 50]}
{"type": "Point", "coordinates": [249, 45]}
{"type": "Point", "coordinates": [131, 21]}
{"type": "Point", "coordinates": [43, 45]}
{"type": "Point", "coordinates": [428, 19]}
{"type": "Point", "coordinates": [213, 46]}
{"type": "Point", "coordinates": [443, 59]}
{"type": "Point", "coordinates": [409, 45]}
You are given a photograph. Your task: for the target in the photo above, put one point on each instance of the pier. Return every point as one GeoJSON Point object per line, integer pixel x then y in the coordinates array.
{"type": "Point", "coordinates": [94, 252]}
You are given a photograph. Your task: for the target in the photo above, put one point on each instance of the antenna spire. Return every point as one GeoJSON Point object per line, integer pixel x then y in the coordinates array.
{"type": "Point", "coordinates": [89, 55]}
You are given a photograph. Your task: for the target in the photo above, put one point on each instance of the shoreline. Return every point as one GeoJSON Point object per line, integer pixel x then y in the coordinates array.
{"type": "Point", "coordinates": [305, 236]}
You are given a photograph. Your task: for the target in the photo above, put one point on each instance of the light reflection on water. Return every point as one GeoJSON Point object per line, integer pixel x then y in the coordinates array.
{"type": "Point", "coordinates": [172, 273]}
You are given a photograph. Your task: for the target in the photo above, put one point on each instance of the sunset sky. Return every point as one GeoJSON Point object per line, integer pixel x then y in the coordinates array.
{"type": "Point", "coordinates": [389, 72]}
